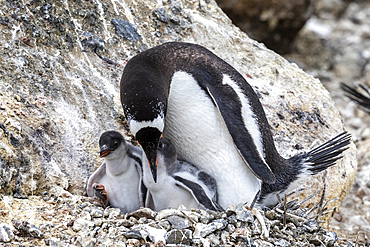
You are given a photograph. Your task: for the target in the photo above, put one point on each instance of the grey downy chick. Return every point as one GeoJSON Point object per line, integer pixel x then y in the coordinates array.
{"type": "Point", "coordinates": [178, 182]}
{"type": "Point", "coordinates": [118, 180]}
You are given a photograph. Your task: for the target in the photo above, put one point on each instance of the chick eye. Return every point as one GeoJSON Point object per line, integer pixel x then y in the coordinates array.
{"type": "Point", "coordinates": [161, 145]}
{"type": "Point", "coordinates": [116, 144]}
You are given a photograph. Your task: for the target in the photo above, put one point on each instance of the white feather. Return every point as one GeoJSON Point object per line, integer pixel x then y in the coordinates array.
{"type": "Point", "coordinates": [135, 126]}
{"type": "Point", "coordinates": [165, 193]}
{"type": "Point", "coordinates": [275, 197]}
{"type": "Point", "coordinates": [197, 130]}
{"type": "Point", "coordinates": [121, 180]}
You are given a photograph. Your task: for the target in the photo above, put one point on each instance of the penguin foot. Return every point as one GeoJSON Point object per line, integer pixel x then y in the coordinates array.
{"type": "Point", "coordinates": [100, 194]}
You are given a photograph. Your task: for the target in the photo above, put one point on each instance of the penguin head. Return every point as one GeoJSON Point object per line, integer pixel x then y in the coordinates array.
{"type": "Point", "coordinates": [148, 137]}
{"type": "Point", "coordinates": [166, 152]}
{"type": "Point", "coordinates": [109, 141]}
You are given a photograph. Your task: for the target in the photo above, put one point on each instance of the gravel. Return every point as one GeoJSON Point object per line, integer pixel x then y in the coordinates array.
{"type": "Point", "coordinates": [62, 219]}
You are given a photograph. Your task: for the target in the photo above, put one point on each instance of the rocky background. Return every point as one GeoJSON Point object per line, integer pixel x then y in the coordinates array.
{"type": "Point", "coordinates": [60, 69]}
{"type": "Point", "coordinates": [334, 46]}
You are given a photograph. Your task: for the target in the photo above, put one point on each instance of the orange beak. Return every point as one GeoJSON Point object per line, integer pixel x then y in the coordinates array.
{"type": "Point", "coordinates": [104, 151]}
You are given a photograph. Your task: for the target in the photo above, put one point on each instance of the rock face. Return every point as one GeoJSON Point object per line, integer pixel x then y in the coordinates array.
{"type": "Point", "coordinates": [59, 90]}
{"type": "Point", "coordinates": [335, 47]}
{"type": "Point", "coordinates": [274, 23]}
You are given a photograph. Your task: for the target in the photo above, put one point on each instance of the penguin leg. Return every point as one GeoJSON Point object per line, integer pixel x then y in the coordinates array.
{"type": "Point", "coordinates": [100, 194]}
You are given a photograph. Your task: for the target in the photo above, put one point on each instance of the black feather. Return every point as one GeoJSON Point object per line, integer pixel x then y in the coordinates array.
{"type": "Point", "coordinates": [315, 161]}
{"type": "Point", "coordinates": [357, 96]}
{"type": "Point", "coordinates": [325, 155]}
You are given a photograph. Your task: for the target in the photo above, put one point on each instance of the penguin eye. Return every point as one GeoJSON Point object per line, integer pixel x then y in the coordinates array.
{"type": "Point", "coordinates": [115, 145]}
{"type": "Point", "coordinates": [161, 145]}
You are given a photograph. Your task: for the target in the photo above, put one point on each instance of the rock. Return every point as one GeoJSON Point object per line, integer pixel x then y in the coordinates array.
{"type": "Point", "coordinates": [58, 95]}
{"type": "Point", "coordinates": [259, 242]}
{"type": "Point", "coordinates": [167, 213]}
{"type": "Point", "coordinates": [164, 224]}
{"type": "Point", "coordinates": [27, 228]}
{"type": "Point", "coordinates": [54, 242]}
{"type": "Point", "coordinates": [312, 226]}
{"type": "Point", "coordinates": [143, 212]}
{"type": "Point", "coordinates": [6, 233]}
{"type": "Point", "coordinates": [113, 213]}
{"type": "Point", "coordinates": [282, 242]}
{"type": "Point", "coordinates": [156, 235]}
{"type": "Point", "coordinates": [59, 220]}
{"type": "Point", "coordinates": [176, 237]}
{"type": "Point", "coordinates": [241, 213]}
{"type": "Point", "coordinates": [276, 24]}
{"type": "Point", "coordinates": [178, 222]}
{"type": "Point", "coordinates": [93, 42]}
{"type": "Point", "coordinates": [125, 29]}
{"type": "Point", "coordinates": [203, 230]}
{"type": "Point", "coordinates": [161, 15]}
{"type": "Point", "coordinates": [81, 223]}
{"type": "Point", "coordinates": [96, 213]}
{"type": "Point", "coordinates": [330, 238]}
{"type": "Point", "coordinates": [133, 234]}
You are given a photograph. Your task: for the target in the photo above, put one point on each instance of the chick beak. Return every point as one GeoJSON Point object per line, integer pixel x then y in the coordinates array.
{"type": "Point", "coordinates": [104, 151]}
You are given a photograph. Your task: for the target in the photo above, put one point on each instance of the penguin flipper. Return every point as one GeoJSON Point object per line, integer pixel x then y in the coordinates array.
{"type": "Point", "coordinates": [94, 178]}
{"type": "Point", "coordinates": [198, 193]}
{"type": "Point", "coordinates": [230, 105]}
{"type": "Point", "coordinates": [139, 157]}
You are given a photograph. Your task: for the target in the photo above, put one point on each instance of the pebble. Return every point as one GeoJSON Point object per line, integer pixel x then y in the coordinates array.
{"type": "Point", "coordinates": [92, 225]}
{"type": "Point", "coordinates": [176, 236]}
{"type": "Point", "coordinates": [143, 212]}
{"type": "Point", "coordinates": [178, 222]}
{"type": "Point", "coordinates": [161, 15]}
{"type": "Point", "coordinates": [28, 229]}
{"type": "Point", "coordinates": [6, 233]}
{"type": "Point", "coordinates": [202, 230]}
{"type": "Point", "coordinates": [242, 214]}
{"type": "Point", "coordinates": [133, 234]}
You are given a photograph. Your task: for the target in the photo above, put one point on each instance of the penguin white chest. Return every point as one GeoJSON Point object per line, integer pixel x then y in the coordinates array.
{"type": "Point", "coordinates": [122, 188]}
{"type": "Point", "coordinates": [196, 128]}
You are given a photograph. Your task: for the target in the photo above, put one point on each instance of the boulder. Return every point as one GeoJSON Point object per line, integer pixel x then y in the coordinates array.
{"type": "Point", "coordinates": [60, 75]}
{"type": "Point", "coordinates": [275, 23]}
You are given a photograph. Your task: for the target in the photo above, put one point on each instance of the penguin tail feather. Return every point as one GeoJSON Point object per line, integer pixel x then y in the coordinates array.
{"type": "Point", "coordinates": [360, 96]}
{"type": "Point", "coordinates": [325, 155]}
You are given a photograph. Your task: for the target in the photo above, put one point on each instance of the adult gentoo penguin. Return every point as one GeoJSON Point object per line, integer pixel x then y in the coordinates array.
{"type": "Point", "coordinates": [119, 176]}
{"type": "Point", "coordinates": [178, 182]}
{"type": "Point", "coordinates": [211, 114]}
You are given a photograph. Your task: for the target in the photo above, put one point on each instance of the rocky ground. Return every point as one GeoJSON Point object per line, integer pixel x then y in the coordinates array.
{"type": "Point", "coordinates": [334, 46]}
{"type": "Point", "coordinates": [59, 218]}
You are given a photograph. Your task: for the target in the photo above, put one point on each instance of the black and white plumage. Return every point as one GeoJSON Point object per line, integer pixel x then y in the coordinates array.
{"type": "Point", "coordinates": [302, 166]}
{"type": "Point", "coordinates": [211, 114]}
{"type": "Point", "coordinates": [120, 173]}
{"type": "Point", "coordinates": [360, 96]}
{"type": "Point", "coordinates": [178, 182]}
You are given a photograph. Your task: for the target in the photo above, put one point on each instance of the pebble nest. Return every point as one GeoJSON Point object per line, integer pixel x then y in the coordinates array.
{"type": "Point", "coordinates": [63, 219]}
